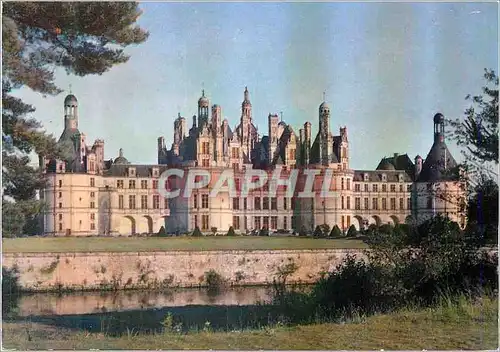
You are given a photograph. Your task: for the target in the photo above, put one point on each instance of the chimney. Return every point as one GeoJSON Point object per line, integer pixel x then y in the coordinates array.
{"type": "Point", "coordinates": [418, 166]}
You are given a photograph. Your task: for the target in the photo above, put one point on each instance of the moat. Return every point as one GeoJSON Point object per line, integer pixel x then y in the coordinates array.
{"type": "Point", "coordinates": [144, 310]}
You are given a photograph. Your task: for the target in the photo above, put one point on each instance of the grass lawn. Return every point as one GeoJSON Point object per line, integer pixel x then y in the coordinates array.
{"type": "Point", "coordinates": [146, 244]}
{"type": "Point", "coordinates": [468, 325]}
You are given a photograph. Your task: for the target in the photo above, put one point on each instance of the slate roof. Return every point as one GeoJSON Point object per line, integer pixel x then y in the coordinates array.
{"type": "Point", "coordinates": [439, 165]}
{"type": "Point", "coordinates": [376, 175]}
{"type": "Point", "coordinates": [399, 162]}
{"type": "Point", "coordinates": [140, 170]}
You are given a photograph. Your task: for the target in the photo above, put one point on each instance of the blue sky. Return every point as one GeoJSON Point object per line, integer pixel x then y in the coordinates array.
{"type": "Point", "coordinates": [387, 68]}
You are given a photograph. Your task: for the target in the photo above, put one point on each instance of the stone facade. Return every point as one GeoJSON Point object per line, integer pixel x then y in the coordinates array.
{"type": "Point", "coordinates": [87, 195]}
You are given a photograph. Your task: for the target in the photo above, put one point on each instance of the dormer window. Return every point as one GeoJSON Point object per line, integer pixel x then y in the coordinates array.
{"type": "Point", "coordinates": [401, 178]}
{"type": "Point", "coordinates": [384, 177]}
{"type": "Point", "coordinates": [366, 177]}
{"type": "Point", "coordinates": [131, 171]}
{"type": "Point", "coordinates": [156, 172]}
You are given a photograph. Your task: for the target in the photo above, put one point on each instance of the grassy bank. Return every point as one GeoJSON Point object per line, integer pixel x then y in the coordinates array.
{"type": "Point", "coordinates": [148, 244]}
{"type": "Point", "coordinates": [462, 325]}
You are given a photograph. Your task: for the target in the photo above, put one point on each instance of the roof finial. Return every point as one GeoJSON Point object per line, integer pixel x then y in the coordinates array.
{"type": "Point", "coordinates": [70, 88]}
{"type": "Point", "coordinates": [120, 152]}
{"type": "Point", "coordinates": [324, 96]}
{"type": "Point", "coordinates": [281, 114]}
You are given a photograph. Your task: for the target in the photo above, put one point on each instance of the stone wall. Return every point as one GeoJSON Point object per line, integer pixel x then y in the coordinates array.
{"type": "Point", "coordinates": [94, 271]}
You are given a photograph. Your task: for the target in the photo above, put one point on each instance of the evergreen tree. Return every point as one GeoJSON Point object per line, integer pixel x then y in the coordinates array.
{"type": "Point", "coordinates": [335, 232]}
{"type": "Point", "coordinates": [83, 38]}
{"type": "Point", "coordinates": [231, 232]}
{"type": "Point", "coordinates": [318, 232]}
{"type": "Point", "coordinates": [196, 232]}
{"type": "Point", "coordinates": [162, 232]}
{"type": "Point", "coordinates": [351, 232]}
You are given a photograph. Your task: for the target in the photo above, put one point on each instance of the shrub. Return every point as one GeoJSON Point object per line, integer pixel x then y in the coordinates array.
{"type": "Point", "coordinates": [335, 232]}
{"type": "Point", "coordinates": [214, 230]}
{"type": "Point", "coordinates": [318, 232]}
{"type": "Point", "coordinates": [303, 231]}
{"type": "Point", "coordinates": [325, 228]}
{"type": "Point", "coordinates": [264, 232]}
{"type": "Point", "coordinates": [196, 232]}
{"type": "Point", "coordinates": [162, 232]}
{"type": "Point", "coordinates": [352, 232]}
{"type": "Point", "coordinates": [214, 280]}
{"type": "Point", "coordinates": [231, 232]}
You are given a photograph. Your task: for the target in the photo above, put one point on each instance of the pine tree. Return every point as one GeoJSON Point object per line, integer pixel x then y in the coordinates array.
{"type": "Point", "coordinates": [196, 232]}
{"type": "Point", "coordinates": [231, 232]}
{"type": "Point", "coordinates": [335, 232]}
{"type": "Point", "coordinates": [83, 38]}
{"type": "Point", "coordinates": [351, 232]}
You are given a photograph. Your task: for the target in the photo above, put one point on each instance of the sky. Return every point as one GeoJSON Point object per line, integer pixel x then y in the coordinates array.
{"type": "Point", "coordinates": [385, 68]}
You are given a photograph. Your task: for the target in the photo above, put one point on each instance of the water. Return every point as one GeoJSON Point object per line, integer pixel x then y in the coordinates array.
{"type": "Point", "coordinates": [144, 311]}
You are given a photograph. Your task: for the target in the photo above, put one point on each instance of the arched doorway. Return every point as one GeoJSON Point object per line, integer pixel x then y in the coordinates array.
{"type": "Point", "coordinates": [128, 225]}
{"type": "Point", "coordinates": [375, 219]}
{"type": "Point", "coordinates": [149, 224]}
{"type": "Point", "coordinates": [361, 223]}
{"type": "Point", "coordinates": [395, 220]}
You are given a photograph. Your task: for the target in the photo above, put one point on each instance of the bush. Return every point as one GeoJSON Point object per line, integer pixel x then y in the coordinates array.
{"type": "Point", "coordinates": [162, 232]}
{"type": "Point", "coordinates": [214, 280]}
{"type": "Point", "coordinates": [352, 232]}
{"type": "Point", "coordinates": [196, 232]}
{"type": "Point", "coordinates": [335, 232]}
{"type": "Point", "coordinates": [231, 232]}
{"type": "Point", "coordinates": [214, 230]}
{"type": "Point", "coordinates": [303, 231]}
{"type": "Point", "coordinates": [264, 231]}
{"type": "Point", "coordinates": [325, 228]}
{"type": "Point", "coordinates": [318, 232]}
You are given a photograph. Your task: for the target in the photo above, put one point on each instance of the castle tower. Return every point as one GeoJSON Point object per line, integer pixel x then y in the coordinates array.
{"type": "Point", "coordinates": [217, 132]}
{"type": "Point", "coordinates": [307, 142]}
{"type": "Point", "coordinates": [438, 128]}
{"type": "Point", "coordinates": [70, 112]}
{"type": "Point", "coordinates": [324, 132]}
{"type": "Point", "coordinates": [344, 148]}
{"type": "Point", "coordinates": [203, 105]}
{"type": "Point", "coordinates": [273, 135]}
{"type": "Point", "coordinates": [245, 121]}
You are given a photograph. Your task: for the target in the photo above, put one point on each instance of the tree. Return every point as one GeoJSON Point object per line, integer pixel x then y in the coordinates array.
{"type": "Point", "coordinates": [196, 232]}
{"type": "Point", "coordinates": [478, 132]}
{"type": "Point", "coordinates": [83, 38]}
{"type": "Point", "coordinates": [318, 232]}
{"type": "Point", "coordinates": [352, 232]}
{"type": "Point", "coordinates": [335, 232]}
{"type": "Point", "coordinates": [231, 232]}
{"type": "Point", "coordinates": [482, 211]}
{"type": "Point", "coordinates": [162, 232]}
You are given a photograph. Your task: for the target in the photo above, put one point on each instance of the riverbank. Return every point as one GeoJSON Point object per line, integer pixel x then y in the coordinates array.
{"type": "Point", "coordinates": [465, 325]}
{"type": "Point", "coordinates": [183, 243]}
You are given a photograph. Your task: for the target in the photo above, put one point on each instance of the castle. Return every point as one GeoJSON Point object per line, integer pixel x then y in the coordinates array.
{"type": "Point", "coordinates": [88, 195]}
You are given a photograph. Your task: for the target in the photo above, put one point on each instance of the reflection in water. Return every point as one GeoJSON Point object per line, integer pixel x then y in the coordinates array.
{"type": "Point", "coordinates": [117, 312]}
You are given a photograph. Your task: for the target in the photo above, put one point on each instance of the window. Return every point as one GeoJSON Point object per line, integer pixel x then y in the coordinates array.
{"type": "Point", "coordinates": [60, 205]}
{"type": "Point", "coordinates": [366, 204]}
{"type": "Point", "coordinates": [393, 203]}
{"type": "Point", "coordinates": [357, 203]}
{"type": "Point", "coordinates": [92, 182]}
{"type": "Point", "coordinates": [348, 184]}
{"type": "Point", "coordinates": [384, 188]}
{"type": "Point", "coordinates": [357, 187]}
{"type": "Point", "coordinates": [375, 188]}
{"type": "Point", "coordinates": [374, 203]}
{"type": "Point", "coordinates": [155, 184]}
{"type": "Point", "coordinates": [144, 202]}
{"type": "Point", "coordinates": [343, 223]}
{"type": "Point", "coordinates": [342, 183]}
{"type": "Point", "coordinates": [366, 187]}
{"type": "Point", "coordinates": [401, 188]}
{"type": "Point", "coordinates": [195, 201]}
{"type": "Point", "coordinates": [256, 221]}
{"type": "Point", "coordinates": [285, 204]}
{"type": "Point", "coordinates": [205, 162]}
{"type": "Point", "coordinates": [92, 226]}
{"type": "Point", "coordinates": [236, 203]}
{"type": "Point", "coordinates": [204, 201]}
{"type": "Point", "coordinates": [119, 184]}
{"type": "Point", "coordinates": [393, 188]}
{"type": "Point", "coordinates": [92, 216]}
{"type": "Point", "coordinates": [274, 203]}
{"type": "Point", "coordinates": [285, 223]}
{"type": "Point", "coordinates": [165, 203]}
{"type": "Point", "coordinates": [384, 204]}
{"type": "Point", "coordinates": [120, 202]}
{"type": "Point", "coordinates": [408, 203]}
{"type": "Point", "coordinates": [204, 222]}
{"type": "Point", "coordinates": [131, 202]}
{"type": "Point", "coordinates": [265, 222]}
{"type": "Point", "coordinates": [245, 203]}
{"type": "Point", "coordinates": [60, 194]}
{"type": "Point", "coordinates": [265, 203]}
{"type": "Point", "coordinates": [92, 205]}
{"type": "Point", "coordinates": [235, 154]}
{"type": "Point", "coordinates": [237, 184]}
{"type": "Point", "coordinates": [348, 202]}
{"type": "Point", "coordinates": [60, 227]}
{"type": "Point", "coordinates": [144, 184]}
{"type": "Point", "coordinates": [236, 222]}
{"type": "Point", "coordinates": [131, 184]}
{"type": "Point", "coordinates": [60, 183]}
{"type": "Point", "coordinates": [92, 194]}
{"type": "Point", "coordinates": [245, 222]}
{"type": "Point", "coordinates": [401, 203]}
{"type": "Point", "coordinates": [274, 222]}
{"type": "Point", "coordinates": [429, 203]}
{"type": "Point", "coordinates": [196, 221]}
{"type": "Point", "coordinates": [257, 203]}
{"type": "Point", "coordinates": [342, 202]}
{"type": "Point", "coordinates": [348, 220]}
{"type": "Point", "coordinates": [60, 217]}
{"type": "Point", "coordinates": [205, 148]}
{"type": "Point", "coordinates": [384, 177]}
